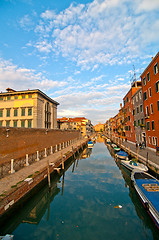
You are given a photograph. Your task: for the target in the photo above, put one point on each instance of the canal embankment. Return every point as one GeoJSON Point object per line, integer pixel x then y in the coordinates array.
{"type": "Point", "coordinates": [144, 155]}
{"type": "Point", "coordinates": [16, 186]}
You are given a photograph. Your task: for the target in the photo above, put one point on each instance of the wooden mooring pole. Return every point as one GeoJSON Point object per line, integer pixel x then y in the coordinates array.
{"type": "Point", "coordinates": [48, 174]}
{"type": "Point", "coordinates": [63, 167]}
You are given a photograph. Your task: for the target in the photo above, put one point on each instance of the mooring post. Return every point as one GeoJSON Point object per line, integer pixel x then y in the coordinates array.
{"type": "Point", "coordinates": [63, 167]}
{"type": "Point", "coordinates": [51, 150]}
{"type": "Point", "coordinates": [63, 146]}
{"type": "Point", "coordinates": [56, 149]}
{"type": "Point", "coordinates": [48, 174]}
{"type": "Point", "coordinates": [45, 153]}
{"type": "Point", "coordinates": [137, 153]}
{"type": "Point", "coordinates": [12, 166]}
{"type": "Point", "coordinates": [129, 150]}
{"type": "Point", "coordinates": [27, 163]}
{"type": "Point", "coordinates": [59, 146]}
{"type": "Point", "coordinates": [66, 144]}
{"type": "Point", "coordinates": [37, 156]}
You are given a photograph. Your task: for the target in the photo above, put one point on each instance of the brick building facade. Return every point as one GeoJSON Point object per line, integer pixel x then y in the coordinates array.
{"type": "Point", "coordinates": [150, 86]}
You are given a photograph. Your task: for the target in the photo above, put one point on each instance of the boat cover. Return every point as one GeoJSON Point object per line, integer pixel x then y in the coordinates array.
{"type": "Point", "coordinates": [152, 196]}
{"type": "Point", "coordinates": [122, 153]}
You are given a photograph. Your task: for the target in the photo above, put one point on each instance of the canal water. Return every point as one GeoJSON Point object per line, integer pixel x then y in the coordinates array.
{"type": "Point", "coordinates": [92, 200]}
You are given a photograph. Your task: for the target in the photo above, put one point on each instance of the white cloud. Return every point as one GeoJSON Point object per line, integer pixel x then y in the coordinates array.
{"type": "Point", "coordinates": [147, 5]}
{"type": "Point", "coordinates": [17, 78]}
{"type": "Point", "coordinates": [48, 14]}
{"type": "Point", "coordinates": [101, 32]}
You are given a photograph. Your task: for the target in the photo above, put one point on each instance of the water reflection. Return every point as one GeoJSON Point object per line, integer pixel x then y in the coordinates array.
{"type": "Point", "coordinates": [92, 186]}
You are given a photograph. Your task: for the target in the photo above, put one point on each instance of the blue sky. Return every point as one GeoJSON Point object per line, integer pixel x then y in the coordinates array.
{"type": "Point", "coordinates": [80, 53]}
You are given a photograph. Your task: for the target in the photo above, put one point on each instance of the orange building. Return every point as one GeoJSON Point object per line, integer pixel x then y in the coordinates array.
{"type": "Point", "coordinates": [128, 110]}
{"type": "Point", "coordinates": [150, 86]}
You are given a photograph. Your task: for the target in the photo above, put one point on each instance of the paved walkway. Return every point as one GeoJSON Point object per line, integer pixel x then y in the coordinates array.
{"type": "Point", "coordinates": [7, 182]}
{"type": "Point", "coordinates": [143, 152]}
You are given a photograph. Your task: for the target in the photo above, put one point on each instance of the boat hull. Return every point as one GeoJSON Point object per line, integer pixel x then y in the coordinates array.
{"type": "Point", "coordinates": [131, 167]}
{"type": "Point", "coordinates": [147, 199]}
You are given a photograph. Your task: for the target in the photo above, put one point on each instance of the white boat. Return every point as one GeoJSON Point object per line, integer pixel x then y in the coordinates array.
{"type": "Point", "coordinates": [113, 145]}
{"type": "Point", "coordinates": [132, 165]}
{"type": "Point", "coordinates": [147, 188]}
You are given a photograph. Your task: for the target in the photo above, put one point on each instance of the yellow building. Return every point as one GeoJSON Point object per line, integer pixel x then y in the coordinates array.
{"type": "Point", "coordinates": [29, 108]}
{"type": "Point", "coordinates": [99, 127]}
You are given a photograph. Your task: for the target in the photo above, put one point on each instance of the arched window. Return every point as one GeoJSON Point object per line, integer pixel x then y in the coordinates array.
{"type": "Point", "coordinates": [47, 115]}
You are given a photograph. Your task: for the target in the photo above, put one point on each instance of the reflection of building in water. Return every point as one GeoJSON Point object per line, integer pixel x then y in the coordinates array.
{"type": "Point", "coordinates": [41, 203]}
{"type": "Point", "coordinates": [86, 153]}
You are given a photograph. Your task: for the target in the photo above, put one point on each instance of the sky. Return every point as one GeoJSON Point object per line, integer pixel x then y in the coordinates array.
{"type": "Point", "coordinates": [83, 54]}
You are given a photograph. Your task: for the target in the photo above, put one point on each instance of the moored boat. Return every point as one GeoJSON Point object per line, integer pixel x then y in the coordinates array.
{"type": "Point", "coordinates": [90, 144]}
{"type": "Point", "coordinates": [147, 188]}
{"type": "Point", "coordinates": [116, 149]}
{"type": "Point", "coordinates": [132, 165]}
{"type": "Point", "coordinates": [122, 155]}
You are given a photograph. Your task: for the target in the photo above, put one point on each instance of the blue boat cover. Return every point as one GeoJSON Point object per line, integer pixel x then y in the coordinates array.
{"type": "Point", "coordinates": [122, 153]}
{"type": "Point", "coordinates": [153, 197]}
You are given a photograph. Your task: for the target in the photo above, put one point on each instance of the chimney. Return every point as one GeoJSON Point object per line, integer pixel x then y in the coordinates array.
{"type": "Point", "coordinates": [10, 90]}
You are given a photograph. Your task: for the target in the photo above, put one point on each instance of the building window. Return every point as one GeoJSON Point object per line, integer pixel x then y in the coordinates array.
{"type": "Point", "coordinates": [128, 108]}
{"type": "Point", "coordinates": [138, 122]}
{"type": "Point", "coordinates": [145, 95]}
{"type": "Point", "coordinates": [1, 98]}
{"type": "Point", "coordinates": [148, 126]}
{"type": "Point", "coordinates": [144, 81]}
{"type": "Point", "coordinates": [8, 113]}
{"type": "Point", "coordinates": [156, 68]}
{"type": "Point", "coordinates": [8, 98]}
{"type": "Point", "coordinates": [133, 111]}
{"type": "Point", "coordinates": [153, 125]}
{"type": "Point", "coordinates": [141, 108]}
{"type": "Point", "coordinates": [147, 111]}
{"type": "Point", "coordinates": [47, 115]}
{"type": "Point", "coordinates": [151, 107]}
{"type": "Point", "coordinates": [148, 77]}
{"type": "Point", "coordinates": [30, 96]}
{"type": "Point", "coordinates": [129, 118]}
{"type": "Point", "coordinates": [140, 94]}
{"type": "Point", "coordinates": [158, 105]}
{"type": "Point", "coordinates": [149, 92]}
{"type": "Point", "coordinates": [23, 96]}
{"type": "Point", "coordinates": [23, 123]}
{"type": "Point", "coordinates": [1, 112]}
{"type": "Point", "coordinates": [134, 123]}
{"type": "Point", "coordinates": [154, 141]}
{"type": "Point", "coordinates": [15, 112]}
{"type": "Point", "coordinates": [15, 123]}
{"type": "Point", "coordinates": [23, 112]}
{"type": "Point", "coordinates": [15, 97]}
{"type": "Point", "coordinates": [0, 123]}
{"type": "Point", "coordinates": [29, 123]}
{"type": "Point", "coordinates": [157, 86]}
{"type": "Point", "coordinates": [127, 99]}
{"type": "Point", "coordinates": [137, 109]}
{"type": "Point", "coordinates": [149, 140]}
{"type": "Point", "coordinates": [7, 123]}
{"type": "Point", "coordinates": [29, 111]}
{"type": "Point", "coordinates": [136, 98]}
{"type": "Point", "coordinates": [142, 121]}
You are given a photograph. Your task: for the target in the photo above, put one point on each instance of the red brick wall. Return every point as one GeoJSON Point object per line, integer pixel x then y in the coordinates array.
{"type": "Point", "coordinates": [22, 141]}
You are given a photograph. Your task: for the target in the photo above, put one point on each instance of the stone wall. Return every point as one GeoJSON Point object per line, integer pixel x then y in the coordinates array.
{"type": "Point", "coordinates": [17, 142]}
